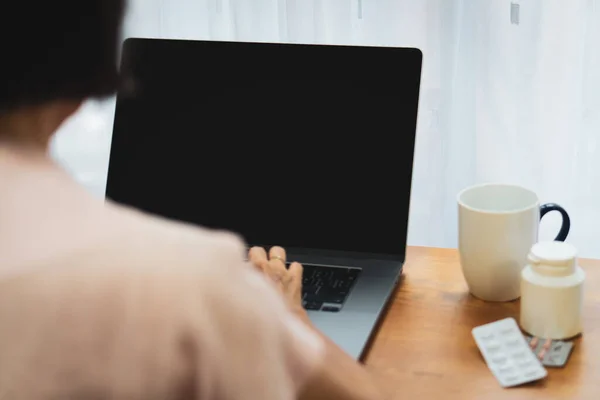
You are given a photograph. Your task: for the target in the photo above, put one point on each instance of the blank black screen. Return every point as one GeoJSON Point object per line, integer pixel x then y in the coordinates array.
{"type": "Point", "coordinates": [297, 145]}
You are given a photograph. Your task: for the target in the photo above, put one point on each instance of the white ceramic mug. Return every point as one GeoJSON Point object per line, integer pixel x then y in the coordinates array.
{"type": "Point", "coordinates": [497, 225]}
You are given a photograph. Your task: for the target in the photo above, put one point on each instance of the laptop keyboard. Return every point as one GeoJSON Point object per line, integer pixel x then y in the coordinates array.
{"type": "Point", "coordinates": [327, 288]}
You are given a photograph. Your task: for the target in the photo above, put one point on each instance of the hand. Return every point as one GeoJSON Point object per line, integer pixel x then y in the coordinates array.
{"type": "Point", "coordinates": [287, 280]}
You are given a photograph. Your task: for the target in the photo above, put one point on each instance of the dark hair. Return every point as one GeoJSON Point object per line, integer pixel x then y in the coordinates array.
{"type": "Point", "coordinates": [51, 50]}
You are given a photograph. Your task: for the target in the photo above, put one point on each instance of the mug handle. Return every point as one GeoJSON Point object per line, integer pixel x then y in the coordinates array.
{"type": "Point", "coordinates": [566, 221]}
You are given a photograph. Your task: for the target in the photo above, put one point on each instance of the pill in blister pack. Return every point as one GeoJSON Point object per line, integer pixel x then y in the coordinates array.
{"type": "Point", "coordinates": [507, 353]}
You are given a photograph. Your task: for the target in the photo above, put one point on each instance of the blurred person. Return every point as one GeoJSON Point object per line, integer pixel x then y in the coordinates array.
{"type": "Point", "coordinates": [101, 301]}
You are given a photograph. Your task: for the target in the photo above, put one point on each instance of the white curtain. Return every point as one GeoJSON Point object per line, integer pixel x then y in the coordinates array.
{"type": "Point", "coordinates": [510, 93]}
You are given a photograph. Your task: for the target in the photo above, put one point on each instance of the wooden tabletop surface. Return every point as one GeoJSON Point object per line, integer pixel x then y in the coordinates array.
{"type": "Point", "coordinates": [424, 348]}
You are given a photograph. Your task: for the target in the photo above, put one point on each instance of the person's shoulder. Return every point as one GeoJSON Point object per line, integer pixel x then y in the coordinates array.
{"type": "Point", "coordinates": [155, 239]}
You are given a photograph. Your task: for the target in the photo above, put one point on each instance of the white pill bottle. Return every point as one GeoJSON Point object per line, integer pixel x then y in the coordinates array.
{"type": "Point", "coordinates": [552, 292]}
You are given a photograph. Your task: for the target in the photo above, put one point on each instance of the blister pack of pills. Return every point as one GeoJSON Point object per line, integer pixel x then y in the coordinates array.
{"type": "Point", "coordinates": [553, 353]}
{"type": "Point", "coordinates": [507, 354]}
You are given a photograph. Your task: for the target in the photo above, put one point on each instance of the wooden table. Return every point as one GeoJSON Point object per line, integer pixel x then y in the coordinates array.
{"type": "Point", "coordinates": [424, 348]}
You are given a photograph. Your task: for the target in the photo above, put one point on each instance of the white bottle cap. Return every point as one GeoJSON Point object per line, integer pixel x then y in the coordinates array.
{"type": "Point", "coordinates": [553, 258]}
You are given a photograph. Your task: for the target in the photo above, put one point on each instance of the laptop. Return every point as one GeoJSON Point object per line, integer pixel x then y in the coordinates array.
{"type": "Point", "coordinates": [309, 147]}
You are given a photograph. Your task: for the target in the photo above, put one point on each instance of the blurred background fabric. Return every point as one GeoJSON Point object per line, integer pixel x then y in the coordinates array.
{"type": "Point", "coordinates": [510, 93]}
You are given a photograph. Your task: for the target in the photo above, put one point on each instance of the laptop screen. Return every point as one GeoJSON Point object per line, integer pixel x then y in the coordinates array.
{"type": "Point", "coordinates": [304, 146]}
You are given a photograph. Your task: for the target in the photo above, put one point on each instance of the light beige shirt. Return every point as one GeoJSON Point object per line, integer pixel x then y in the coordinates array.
{"type": "Point", "coordinates": [102, 302]}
